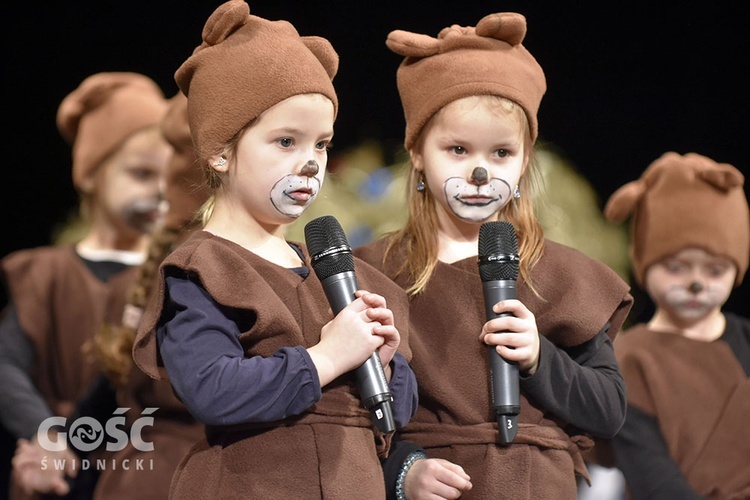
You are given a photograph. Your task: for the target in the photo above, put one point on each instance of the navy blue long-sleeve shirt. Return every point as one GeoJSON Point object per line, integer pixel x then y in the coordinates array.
{"type": "Point", "coordinates": [202, 353]}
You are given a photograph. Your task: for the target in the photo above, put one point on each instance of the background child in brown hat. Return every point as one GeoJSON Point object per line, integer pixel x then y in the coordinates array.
{"type": "Point", "coordinates": [686, 370]}
{"type": "Point", "coordinates": [61, 296]}
{"type": "Point", "coordinates": [238, 325]}
{"type": "Point", "coordinates": [470, 99]}
{"type": "Point", "coordinates": [121, 384]}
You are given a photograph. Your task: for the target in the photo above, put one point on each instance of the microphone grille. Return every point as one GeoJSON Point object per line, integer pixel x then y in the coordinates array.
{"type": "Point", "coordinates": [498, 251]}
{"type": "Point", "coordinates": [329, 249]}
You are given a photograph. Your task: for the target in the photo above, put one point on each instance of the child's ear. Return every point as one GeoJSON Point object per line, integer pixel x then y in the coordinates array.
{"type": "Point", "coordinates": [218, 163]}
{"type": "Point", "coordinates": [87, 184]}
{"type": "Point", "coordinates": [416, 159]}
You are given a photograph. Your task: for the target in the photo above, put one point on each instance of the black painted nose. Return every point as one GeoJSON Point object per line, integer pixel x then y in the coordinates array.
{"type": "Point", "coordinates": [479, 176]}
{"type": "Point", "coordinates": [310, 169]}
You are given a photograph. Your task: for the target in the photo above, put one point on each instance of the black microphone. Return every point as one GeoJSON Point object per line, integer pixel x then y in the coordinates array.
{"type": "Point", "coordinates": [498, 267]}
{"type": "Point", "coordinates": [333, 262]}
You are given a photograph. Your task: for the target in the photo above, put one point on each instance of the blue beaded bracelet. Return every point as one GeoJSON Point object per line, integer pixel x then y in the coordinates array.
{"type": "Point", "coordinates": [410, 459]}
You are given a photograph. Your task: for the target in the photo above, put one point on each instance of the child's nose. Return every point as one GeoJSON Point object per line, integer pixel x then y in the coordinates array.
{"type": "Point", "coordinates": [310, 169]}
{"type": "Point", "coordinates": [479, 176]}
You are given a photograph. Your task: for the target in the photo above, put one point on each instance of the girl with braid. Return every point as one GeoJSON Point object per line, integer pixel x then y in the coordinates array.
{"type": "Point", "coordinates": [237, 323]}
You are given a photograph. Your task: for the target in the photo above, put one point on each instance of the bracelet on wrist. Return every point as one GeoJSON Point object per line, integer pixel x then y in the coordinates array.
{"type": "Point", "coordinates": [410, 459]}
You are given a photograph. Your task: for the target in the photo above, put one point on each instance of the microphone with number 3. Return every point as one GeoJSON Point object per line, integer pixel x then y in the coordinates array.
{"type": "Point", "coordinates": [498, 268]}
{"type": "Point", "coordinates": [333, 262]}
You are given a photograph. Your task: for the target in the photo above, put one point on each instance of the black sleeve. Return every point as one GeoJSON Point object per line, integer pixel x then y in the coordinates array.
{"type": "Point", "coordinates": [392, 465]}
{"type": "Point", "coordinates": [582, 385]}
{"type": "Point", "coordinates": [23, 408]}
{"type": "Point", "coordinates": [737, 335]}
{"type": "Point", "coordinates": [644, 460]}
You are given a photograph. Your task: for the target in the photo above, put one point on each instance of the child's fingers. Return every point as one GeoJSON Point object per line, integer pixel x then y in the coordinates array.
{"type": "Point", "coordinates": [357, 306]}
{"type": "Point", "coordinates": [386, 331]}
{"type": "Point", "coordinates": [514, 307]}
{"type": "Point", "coordinates": [373, 299]}
{"type": "Point", "coordinates": [381, 315]}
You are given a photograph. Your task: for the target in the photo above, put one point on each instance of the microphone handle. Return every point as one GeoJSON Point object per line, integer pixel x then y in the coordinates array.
{"type": "Point", "coordinates": [371, 382]}
{"type": "Point", "coordinates": [504, 378]}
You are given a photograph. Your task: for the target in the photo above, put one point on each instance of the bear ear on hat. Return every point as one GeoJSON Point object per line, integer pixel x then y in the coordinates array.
{"type": "Point", "coordinates": [69, 118]}
{"type": "Point", "coordinates": [622, 203]}
{"type": "Point", "coordinates": [506, 26]}
{"type": "Point", "coordinates": [225, 20]}
{"type": "Point", "coordinates": [324, 51]}
{"type": "Point", "coordinates": [723, 176]}
{"type": "Point", "coordinates": [405, 43]}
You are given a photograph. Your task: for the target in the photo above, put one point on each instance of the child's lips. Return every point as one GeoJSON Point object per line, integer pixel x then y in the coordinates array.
{"type": "Point", "coordinates": [694, 304]}
{"type": "Point", "coordinates": [149, 214]}
{"type": "Point", "coordinates": [476, 200]}
{"type": "Point", "coordinates": [302, 194]}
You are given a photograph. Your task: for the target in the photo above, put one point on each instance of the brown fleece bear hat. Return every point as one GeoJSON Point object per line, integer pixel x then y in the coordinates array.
{"type": "Point", "coordinates": [684, 201]}
{"type": "Point", "coordinates": [245, 65]}
{"type": "Point", "coordinates": [187, 187]}
{"type": "Point", "coordinates": [102, 112]}
{"type": "Point", "coordinates": [466, 61]}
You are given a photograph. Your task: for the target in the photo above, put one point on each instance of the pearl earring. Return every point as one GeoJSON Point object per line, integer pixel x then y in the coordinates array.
{"type": "Point", "coordinates": [517, 192]}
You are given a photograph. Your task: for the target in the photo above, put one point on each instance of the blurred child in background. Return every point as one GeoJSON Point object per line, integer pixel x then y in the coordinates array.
{"type": "Point", "coordinates": [687, 369]}
{"type": "Point", "coordinates": [122, 385]}
{"type": "Point", "coordinates": [61, 296]}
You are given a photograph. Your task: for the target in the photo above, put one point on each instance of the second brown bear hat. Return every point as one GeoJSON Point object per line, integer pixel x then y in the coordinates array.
{"type": "Point", "coordinates": [684, 201]}
{"type": "Point", "coordinates": [466, 61]}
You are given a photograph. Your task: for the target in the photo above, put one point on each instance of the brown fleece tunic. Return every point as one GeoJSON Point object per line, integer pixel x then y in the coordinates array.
{"type": "Point", "coordinates": [147, 475]}
{"type": "Point", "coordinates": [699, 395]}
{"type": "Point", "coordinates": [455, 420]}
{"type": "Point", "coordinates": [331, 450]}
{"type": "Point", "coordinates": [60, 305]}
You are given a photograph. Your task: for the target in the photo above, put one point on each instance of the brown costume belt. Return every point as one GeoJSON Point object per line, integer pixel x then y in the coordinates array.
{"type": "Point", "coordinates": [444, 435]}
{"type": "Point", "coordinates": [232, 433]}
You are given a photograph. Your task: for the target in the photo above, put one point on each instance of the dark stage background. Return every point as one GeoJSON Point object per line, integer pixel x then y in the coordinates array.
{"type": "Point", "coordinates": [626, 81]}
